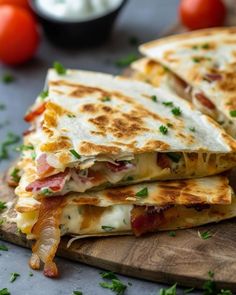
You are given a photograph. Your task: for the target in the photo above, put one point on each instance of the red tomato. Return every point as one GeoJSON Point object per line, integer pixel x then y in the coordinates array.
{"type": "Point", "coordinates": [199, 14]}
{"type": "Point", "coordinates": [19, 36]}
{"type": "Point", "coordinates": [22, 3]}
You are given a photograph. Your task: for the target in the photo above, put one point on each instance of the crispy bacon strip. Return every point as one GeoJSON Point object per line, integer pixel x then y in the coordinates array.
{"type": "Point", "coordinates": [163, 161]}
{"type": "Point", "coordinates": [119, 166]}
{"type": "Point", "coordinates": [146, 219]}
{"type": "Point", "coordinates": [204, 101]}
{"type": "Point", "coordinates": [42, 165]}
{"type": "Point", "coordinates": [34, 113]}
{"type": "Point", "coordinates": [47, 235]}
{"type": "Point", "coordinates": [213, 77]}
{"type": "Point", "coordinates": [55, 183]}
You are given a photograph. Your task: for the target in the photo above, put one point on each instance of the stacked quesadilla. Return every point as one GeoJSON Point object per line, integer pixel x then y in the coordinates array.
{"type": "Point", "coordinates": [198, 65]}
{"type": "Point", "coordinates": [108, 155]}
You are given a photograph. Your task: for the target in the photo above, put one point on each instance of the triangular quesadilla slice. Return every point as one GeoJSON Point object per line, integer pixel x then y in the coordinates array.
{"type": "Point", "coordinates": [97, 130]}
{"type": "Point", "coordinates": [205, 61]}
{"type": "Point", "coordinates": [135, 209]}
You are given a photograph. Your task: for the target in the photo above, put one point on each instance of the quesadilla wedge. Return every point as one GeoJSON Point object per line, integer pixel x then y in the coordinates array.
{"type": "Point", "coordinates": [97, 130]}
{"type": "Point", "coordinates": [135, 209]}
{"type": "Point", "coordinates": [204, 61]}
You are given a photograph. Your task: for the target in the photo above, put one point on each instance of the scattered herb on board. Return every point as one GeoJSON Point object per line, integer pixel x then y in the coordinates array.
{"type": "Point", "coordinates": [2, 205]}
{"type": "Point", "coordinates": [77, 293]}
{"type": "Point", "coordinates": [232, 113]}
{"type": "Point", "coordinates": [172, 233]}
{"type": "Point", "coordinates": [15, 175]}
{"type": "Point", "coordinates": [43, 94]}
{"type": "Point", "coordinates": [163, 129]}
{"type": "Point", "coordinates": [176, 111]}
{"type": "Point", "coordinates": [115, 286]}
{"type": "Point", "coordinates": [14, 276]}
{"type": "Point", "coordinates": [187, 291]}
{"type": "Point", "coordinates": [126, 61]}
{"type": "Point", "coordinates": [108, 275]}
{"type": "Point", "coordinates": [225, 292]}
{"type": "Point", "coordinates": [143, 193]}
{"type": "Point", "coordinates": [209, 287]}
{"type": "Point", "coordinates": [1, 222]}
{"type": "Point", "coordinates": [3, 247]}
{"type": "Point", "coordinates": [205, 235]}
{"type": "Point", "coordinates": [154, 98]}
{"type": "Point", "coordinates": [75, 154]}
{"type": "Point", "coordinates": [59, 68]}
{"type": "Point", "coordinates": [175, 157]}
{"type": "Point", "coordinates": [4, 291]}
{"type": "Point", "coordinates": [107, 228]}
{"type": "Point", "coordinates": [2, 106]}
{"type": "Point", "coordinates": [7, 78]}
{"type": "Point", "coordinates": [31, 274]}
{"type": "Point", "coordinates": [10, 140]}
{"type": "Point", "coordinates": [170, 291]}
{"type": "Point", "coordinates": [133, 41]}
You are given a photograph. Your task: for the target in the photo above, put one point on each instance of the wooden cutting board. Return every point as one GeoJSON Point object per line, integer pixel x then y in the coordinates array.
{"type": "Point", "coordinates": [185, 259]}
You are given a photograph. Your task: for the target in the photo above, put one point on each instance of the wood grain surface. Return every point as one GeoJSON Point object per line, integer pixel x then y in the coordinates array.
{"type": "Point", "coordinates": [185, 259]}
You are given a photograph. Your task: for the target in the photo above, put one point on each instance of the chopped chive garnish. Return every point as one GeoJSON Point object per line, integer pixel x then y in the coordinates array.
{"type": "Point", "coordinates": [172, 233]}
{"type": "Point", "coordinates": [142, 193]}
{"type": "Point", "coordinates": [126, 61]}
{"type": "Point", "coordinates": [169, 125]}
{"type": "Point", "coordinates": [175, 157]}
{"type": "Point", "coordinates": [107, 228]}
{"type": "Point", "coordinates": [4, 291]}
{"type": "Point", "coordinates": [163, 129]}
{"type": "Point", "coordinates": [192, 129]}
{"type": "Point", "coordinates": [232, 113]}
{"type": "Point", "coordinates": [3, 247]}
{"type": "Point", "coordinates": [205, 46]}
{"type": "Point", "coordinates": [43, 94]}
{"type": "Point", "coordinates": [108, 275]}
{"type": "Point", "coordinates": [168, 103]}
{"type": "Point", "coordinates": [106, 98]}
{"type": "Point", "coordinates": [15, 175]}
{"type": "Point", "coordinates": [7, 78]}
{"type": "Point", "coordinates": [75, 154]}
{"type": "Point", "coordinates": [196, 59]}
{"type": "Point", "coordinates": [59, 68]}
{"type": "Point", "coordinates": [171, 291]}
{"type": "Point", "coordinates": [77, 293]}
{"type": "Point", "coordinates": [11, 139]}
{"type": "Point", "coordinates": [2, 205]}
{"type": "Point", "coordinates": [176, 111]}
{"type": "Point", "coordinates": [46, 192]}
{"type": "Point", "coordinates": [24, 147]}
{"type": "Point", "coordinates": [154, 98]}
{"type": "Point", "coordinates": [205, 235]}
{"type": "Point", "coordinates": [14, 276]}
{"type": "Point", "coordinates": [71, 116]}
{"type": "Point", "coordinates": [129, 178]}
{"type": "Point", "coordinates": [116, 286]}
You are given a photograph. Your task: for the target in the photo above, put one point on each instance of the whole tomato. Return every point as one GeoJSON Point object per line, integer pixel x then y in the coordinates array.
{"type": "Point", "coordinates": [199, 14]}
{"type": "Point", "coordinates": [22, 3]}
{"type": "Point", "coordinates": [19, 35]}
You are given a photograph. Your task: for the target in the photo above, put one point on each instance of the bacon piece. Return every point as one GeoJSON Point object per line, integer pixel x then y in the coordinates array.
{"type": "Point", "coordinates": [47, 234]}
{"type": "Point", "coordinates": [119, 166]}
{"type": "Point", "coordinates": [204, 101]}
{"type": "Point", "coordinates": [34, 113]}
{"type": "Point", "coordinates": [28, 131]}
{"type": "Point", "coordinates": [147, 219]}
{"type": "Point", "coordinates": [212, 77]}
{"type": "Point", "coordinates": [42, 165]}
{"type": "Point", "coordinates": [54, 183]}
{"type": "Point", "coordinates": [163, 161]}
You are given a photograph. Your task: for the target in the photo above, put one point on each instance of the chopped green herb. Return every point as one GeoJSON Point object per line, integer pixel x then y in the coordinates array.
{"type": "Point", "coordinates": [170, 291]}
{"type": "Point", "coordinates": [2, 205]}
{"type": "Point", "coordinates": [4, 292]}
{"type": "Point", "coordinates": [142, 193]}
{"type": "Point", "coordinates": [71, 116]}
{"type": "Point", "coordinates": [205, 235]}
{"type": "Point", "coordinates": [59, 68]}
{"type": "Point", "coordinates": [188, 290]}
{"type": "Point", "coordinates": [75, 154]}
{"type": "Point", "coordinates": [129, 178]}
{"type": "Point", "coordinates": [106, 98]}
{"type": "Point", "coordinates": [33, 156]}
{"type": "Point", "coordinates": [163, 129]}
{"type": "Point", "coordinates": [31, 274]}
{"type": "Point", "coordinates": [225, 292]}
{"type": "Point", "coordinates": [14, 276]}
{"type": "Point", "coordinates": [108, 275]}
{"type": "Point", "coordinates": [130, 284]}
{"type": "Point", "coordinates": [126, 61]}
{"type": "Point", "coordinates": [192, 129]}
{"type": "Point", "coordinates": [133, 40]}
{"type": "Point", "coordinates": [2, 106]}
{"type": "Point", "coordinates": [195, 47]}
{"type": "Point", "coordinates": [3, 247]}
{"type": "Point", "coordinates": [165, 68]}
{"type": "Point", "coordinates": [196, 59]}
{"type": "Point", "coordinates": [168, 103]}
{"type": "Point", "coordinates": [24, 147]}
{"type": "Point", "coordinates": [154, 98]}
{"type": "Point", "coordinates": [46, 192]}
{"type": "Point", "coordinates": [232, 113]}
{"type": "Point", "coordinates": [107, 228]}
{"type": "Point", "coordinates": [116, 286]}
{"type": "Point", "coordinates": [169, 125]}
{"type": "Point", "coordinates": [11, 139]}
{"type": "Point", "coordinates": [175, 157]}
{"type": "Point", "coordinates": [211, 274]}
{"type": "Point", "coordinates": [176, 111]}
{"type": "Point", "coordinates": [1, 222]}
{"type": "Point", "coordinates": [15, 175]}
{"type": "Point", "coordinates": [7, 78]}
{"type": "Point", "coordinates": [77, 293]}
{"type": "Point", "coordinates": [172, 233]}
{"type": "Point", "coordinates": [205, 46]}
{"type": "Point", "coordinates": [209, 287]}
{"type": "Point", "coordinates": [43, 94]}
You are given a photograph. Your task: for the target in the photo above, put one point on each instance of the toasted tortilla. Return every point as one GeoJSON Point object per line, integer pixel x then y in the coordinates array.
{"type": "Point", "coordinates": [205, 60]}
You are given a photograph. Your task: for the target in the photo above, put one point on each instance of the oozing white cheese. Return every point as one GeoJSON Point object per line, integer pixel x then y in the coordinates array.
{"type": "Point", "coordinates": [76, 10]}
